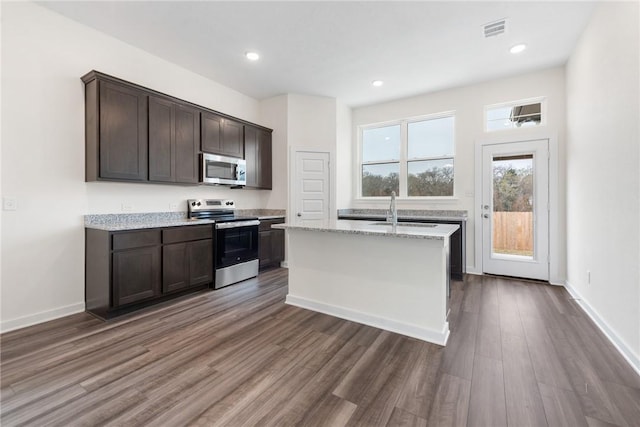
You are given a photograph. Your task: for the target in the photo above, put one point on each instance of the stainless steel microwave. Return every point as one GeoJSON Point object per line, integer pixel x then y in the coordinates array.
{"type": "Point", "coordinates": [223, 170]}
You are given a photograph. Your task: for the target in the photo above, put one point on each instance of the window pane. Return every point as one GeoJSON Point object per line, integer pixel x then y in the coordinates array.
{"type": "Point", "coordinates": [380, 180]}
{"type": "Point", "coordinates": [513, 206]}
{"type": "Point", "coordinates": [431, 138]}
{"type": "Point", "coordinates": [514, 116]}
{"type": "Point", "coordinates": [430, 178]}
{"type": "Point", "coordinates": [381, 144]}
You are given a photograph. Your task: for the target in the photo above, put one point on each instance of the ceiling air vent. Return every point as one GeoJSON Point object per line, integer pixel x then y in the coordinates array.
{"type": "Point", "coordinates": [495, 28]}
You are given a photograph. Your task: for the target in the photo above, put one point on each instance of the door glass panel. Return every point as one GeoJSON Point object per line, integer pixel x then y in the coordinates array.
{"type": "Point", "coordinates": [512, 219]}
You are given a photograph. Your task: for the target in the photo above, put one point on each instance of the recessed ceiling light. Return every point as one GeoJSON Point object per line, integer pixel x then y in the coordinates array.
{"type": "Point", "coordinates": [377, 83]}
{"type": "Point", "coordinates": [252, 56]}
{"type": "Point", "coordinates": [518, 48]}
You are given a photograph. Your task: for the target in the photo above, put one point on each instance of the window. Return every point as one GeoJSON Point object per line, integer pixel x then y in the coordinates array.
{"type": "Point", "coordinates": [512, 115]}
{"type": "Point", "coordinates": [381, 161]}
{"type": "Point", "coordinates": [414, 158]}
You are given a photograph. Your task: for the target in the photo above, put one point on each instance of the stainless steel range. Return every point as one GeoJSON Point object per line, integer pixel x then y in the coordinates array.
{"type": "Point", "coordinates": [236, 240]}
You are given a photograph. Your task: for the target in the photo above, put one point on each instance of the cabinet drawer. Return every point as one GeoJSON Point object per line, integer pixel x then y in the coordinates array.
{"type": "Point", "coordinates": [265, 224]}
{"type": "Point", "coordinates": [135, 239]}
{"type": "Point", "coordinates": [187, 233]}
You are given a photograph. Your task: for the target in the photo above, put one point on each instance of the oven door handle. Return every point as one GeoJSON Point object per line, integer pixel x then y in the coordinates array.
{"type": "Point", "coordinates": [236, 224]}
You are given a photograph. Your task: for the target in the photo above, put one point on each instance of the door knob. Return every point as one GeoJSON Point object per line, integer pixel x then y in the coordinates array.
{"type": "Point", "coordinates": [299, 214]}
{"type": "Point", "coordinates": [485, 216]}
{"type": "Point", "coordinates": [486, 206]}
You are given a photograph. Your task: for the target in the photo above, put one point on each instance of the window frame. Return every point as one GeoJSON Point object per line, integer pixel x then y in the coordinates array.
{"type": "Point", "coordinates": [542, 100]}
{"type": "Point", "coordinates": [404, 160]}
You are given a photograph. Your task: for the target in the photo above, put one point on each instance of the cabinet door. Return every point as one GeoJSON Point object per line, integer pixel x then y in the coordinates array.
{"type": "Point", "coordinates": [175, 267]}
{"type": "Point", "coordinates": [277, 246]}
{"type": "Point", "coordinates": [211, 136]}
{"type": "Point", "coordinates": [265, 248]}
{"type": "Point", "coordinates": [187, 139]}
{"type": "Point", "coordinates": [200, 262]}
{"type": "Point", "coordinates": [162, 149]}
{"type": "Point", "coordinates": [232, 138]}
{"type": "Point", "coordinates": [257, 153]}
{"type": "Point", "coordinates": [136, 275]}
{"type": "Point", "coordinates": [251, 155]}
{"type": "Point", "coordinates": [123, 132]}
{"type": "Point", "coordinates": [265, 159]}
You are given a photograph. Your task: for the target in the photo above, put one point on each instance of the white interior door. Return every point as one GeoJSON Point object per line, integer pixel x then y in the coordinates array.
{"type": "Point", "coordinates": [311, 187]}
{"type": "Point", "coordinates": [515, 209]}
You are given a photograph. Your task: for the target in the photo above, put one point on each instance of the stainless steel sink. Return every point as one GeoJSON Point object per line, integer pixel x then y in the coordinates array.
{"type": "Point", "coordinates": [405, 224]}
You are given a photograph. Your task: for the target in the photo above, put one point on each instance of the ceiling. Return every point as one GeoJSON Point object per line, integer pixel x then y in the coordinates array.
{"type": "Point", "coordinates": [337, 49]}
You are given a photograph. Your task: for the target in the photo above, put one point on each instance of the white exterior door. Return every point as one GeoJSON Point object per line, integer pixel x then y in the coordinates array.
{"type": "Point", "coordinates": [311, 189]}
{"type": "Point", "coordinates": [515, 209]}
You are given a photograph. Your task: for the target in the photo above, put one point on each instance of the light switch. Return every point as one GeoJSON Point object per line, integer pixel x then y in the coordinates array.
{"type": "Point", "coordinates": [9, 204]}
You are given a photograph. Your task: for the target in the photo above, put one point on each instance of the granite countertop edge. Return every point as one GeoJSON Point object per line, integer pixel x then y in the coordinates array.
{"type": "Point", "coordinates": [405, 214]}
{"type": "Point", "coordinates": [415, 234]}
{"type": "Point", "coordinates": [404, 217]}
{"type": "Point", "coordinates": [141, 221]}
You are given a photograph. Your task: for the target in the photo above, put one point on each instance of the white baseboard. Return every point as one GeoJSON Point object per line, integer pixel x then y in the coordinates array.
{"type": "Point", "coordinates": [622, 348]}
{"type": "Point", "coordinates": [43, 316]}
{"type": "Point", "coordinates": [436, 337]}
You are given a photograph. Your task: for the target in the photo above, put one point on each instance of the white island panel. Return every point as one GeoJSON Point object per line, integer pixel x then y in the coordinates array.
{"type": "Point", "coordinates": [383, 280]}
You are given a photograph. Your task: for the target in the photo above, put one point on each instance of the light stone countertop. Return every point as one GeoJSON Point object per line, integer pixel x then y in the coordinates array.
{"type": "Point", "coordinates": [405, 214]}
{"type": "Point", "coordinates": [403, 230]}
{"type": "Point", "coordinates": [138, 221]}
{"type": "Point", "coordinates": [123, 222]}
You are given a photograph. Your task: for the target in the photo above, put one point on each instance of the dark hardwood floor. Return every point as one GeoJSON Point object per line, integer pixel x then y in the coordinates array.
{"type": "Point", "coordinates": [519, 354]}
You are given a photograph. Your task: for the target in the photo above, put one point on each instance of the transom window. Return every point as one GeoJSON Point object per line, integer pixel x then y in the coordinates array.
{"type": "Point", "coordinates": [413, 157]}
{"type": "Point", "coordinates": [517, 114]}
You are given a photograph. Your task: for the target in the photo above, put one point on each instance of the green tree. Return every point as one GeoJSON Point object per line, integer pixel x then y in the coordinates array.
{"type": "Point", "coordinates": [378, 185]}
{"type": "Point", "coordinates": [437, 181]}
{"type": "Point", "coordinates": [512, 189]}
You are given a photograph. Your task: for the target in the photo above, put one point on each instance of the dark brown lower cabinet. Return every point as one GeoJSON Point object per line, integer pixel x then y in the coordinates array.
{"type": "Point", "coordinates": [187, 264]}
{"type": "Point", "coordinates": [136, 275]}
{"type": "Point", "coordinates": [126, 270]}
{"type": "Point", "coordinates": [271, 244]}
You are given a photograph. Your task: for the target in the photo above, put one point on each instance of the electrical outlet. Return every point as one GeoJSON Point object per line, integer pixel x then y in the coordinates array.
{"type": "Point", "coordinates": [126, 207]}
{"type": "Point", "coordinates": [9, 204]}
{"type": "Point", "coordinates": [588, 277]}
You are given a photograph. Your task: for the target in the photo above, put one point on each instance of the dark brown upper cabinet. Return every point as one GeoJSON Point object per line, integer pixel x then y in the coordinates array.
{"type": "Point", "coordinates": [221, 135]}
{"type": "Point", "coordinates": [137, 134]}
{"type": "Point", "coordinates": [257, 153]}
{"type": "Point", "coordinates": [174, 136]}
{"type": "Point", "coordinates": [116, 132]}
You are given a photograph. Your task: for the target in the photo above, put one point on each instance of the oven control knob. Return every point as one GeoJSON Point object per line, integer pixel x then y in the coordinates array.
{"type": "Point", "coordinates": [199, 203]}
{"type": "Point", "coordinates": [193, 203]}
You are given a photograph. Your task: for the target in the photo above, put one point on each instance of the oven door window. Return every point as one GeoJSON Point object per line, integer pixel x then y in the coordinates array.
{"type": "Point", "coordinates": [236, 245]}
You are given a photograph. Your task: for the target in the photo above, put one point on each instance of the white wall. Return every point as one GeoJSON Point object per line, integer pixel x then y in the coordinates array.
{"type": "Point", "coordinates": [468, 103]}
{"type": "Point", "coordinates": [43, 57]}
{"type": "Point", "coordinates": [603, 182]}
{"type": "Point", "coordinates": [344, 156]}
{"type": "Point", "coordinates": [273, 114]}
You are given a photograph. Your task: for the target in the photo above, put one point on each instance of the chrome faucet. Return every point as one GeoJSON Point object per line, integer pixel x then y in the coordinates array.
{"type": "Point", "coordinates": [392, 214]}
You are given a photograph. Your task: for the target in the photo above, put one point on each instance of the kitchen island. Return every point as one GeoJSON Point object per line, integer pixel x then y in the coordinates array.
{"type": "Point", "coordinates": [391, 277]}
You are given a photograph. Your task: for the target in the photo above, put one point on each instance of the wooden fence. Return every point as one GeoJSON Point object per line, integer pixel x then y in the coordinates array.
{"type": "Point", "coordinates": [513, 232]}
